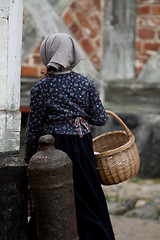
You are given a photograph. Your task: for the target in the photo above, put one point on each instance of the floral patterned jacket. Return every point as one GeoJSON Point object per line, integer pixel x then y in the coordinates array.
{"type": "Point", "coordinates": [65, 104]}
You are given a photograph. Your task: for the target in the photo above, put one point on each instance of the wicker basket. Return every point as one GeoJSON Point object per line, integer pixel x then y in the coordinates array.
{"type": "Point", "coordinates": [117, 157]}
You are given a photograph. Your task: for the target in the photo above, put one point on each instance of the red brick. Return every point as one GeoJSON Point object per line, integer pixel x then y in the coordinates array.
{"type": "Point", "coordinates": [67, 18]}
{"type": "Point", "coordinates": [156, 10]}
{"type": "Point", "coordinates": [155, 22]}
{"type": "Point", "coordinates": [143, 56]}
{"type": "Point", "coordinates": [146, 33]}
{"type": "Point", "coordinates": [82, 19]}
{"type": "Point", "coordinates": [87, 46]}
{"type": "Point", "coordinates": [96, 20]}
{"type": "Point", "coordinates": [144, 59]}
{"type": "Point", "coordinates": [85, 5]}
{"type": "Point", "coordinates": [144, 10]}
{"type": "Point", "coordinates": [98, 42]}
{"type": "Point", "coordinates": [37, 60]}
{"type": "Point", "coordinates": [85, 24]}
{"type": "Point", "coordinates": [151, 46]}
{"type": "Point", "coordinates": [25, 109]}
{"type": "Point", "coordinates": [149, 22]}
{"type": "Point", "coordinates": [76, 31]}
{"type": "Point", "coordinates": [37, 49]}
{"type": "Point", "coordinates": [138, 46]}
{"type": "Point", "coordinates": [26, 61]}
{"type": "Point", "coordinates": [97, 4]}
{"type": "Point", "coordinates": [74, 5]}
{"type": "Point", "coordinates": [28, 71]}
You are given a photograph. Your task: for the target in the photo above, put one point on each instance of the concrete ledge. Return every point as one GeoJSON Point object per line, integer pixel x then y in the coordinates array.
{"type": "Point", "coordinates": [133, 95]}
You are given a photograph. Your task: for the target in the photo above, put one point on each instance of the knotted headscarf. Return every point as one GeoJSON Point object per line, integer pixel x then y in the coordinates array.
{"type": "Point", "coordinates": [60, 51]}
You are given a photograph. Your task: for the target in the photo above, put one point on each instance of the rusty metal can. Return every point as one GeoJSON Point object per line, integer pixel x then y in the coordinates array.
{"type": "Point", "coordinates": [50, 177]}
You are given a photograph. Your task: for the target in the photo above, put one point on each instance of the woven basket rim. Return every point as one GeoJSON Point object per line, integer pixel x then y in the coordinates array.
{"type": "Point", "coordinates": [109, 133]}
{"type": "Point", "coordinates": [114, 151]}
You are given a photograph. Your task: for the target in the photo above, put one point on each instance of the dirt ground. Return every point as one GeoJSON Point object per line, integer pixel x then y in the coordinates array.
{"type": "Point", "coordinates": [135, 229]}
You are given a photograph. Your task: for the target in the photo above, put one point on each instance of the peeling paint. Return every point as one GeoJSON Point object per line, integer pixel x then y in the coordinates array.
{"type": "Point", "coordinates": [10, 49]}
{"type": "Point", "coordinates": [4, 9]}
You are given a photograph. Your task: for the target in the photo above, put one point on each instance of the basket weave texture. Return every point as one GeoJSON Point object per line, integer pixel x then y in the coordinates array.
{"type": "Point", "coordinates": [117, 157]}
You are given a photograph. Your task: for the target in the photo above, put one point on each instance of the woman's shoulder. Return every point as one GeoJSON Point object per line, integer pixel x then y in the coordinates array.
{"type": "Point", "coordinates": [82, 77]}
{"type": "Point", "coordinates": [41, 83]}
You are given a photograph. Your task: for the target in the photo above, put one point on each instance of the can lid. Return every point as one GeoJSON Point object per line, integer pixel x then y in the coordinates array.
{"type": "Point", "coordinates": [46, 140]}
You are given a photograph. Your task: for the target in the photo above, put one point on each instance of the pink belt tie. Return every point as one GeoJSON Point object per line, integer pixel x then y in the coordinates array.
{"type": "Point", "coordinates": [79, 123]}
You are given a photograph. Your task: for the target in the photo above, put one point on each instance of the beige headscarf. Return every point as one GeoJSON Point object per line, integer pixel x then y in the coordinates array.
{"type": "Point", "coordinates": [60, 51]}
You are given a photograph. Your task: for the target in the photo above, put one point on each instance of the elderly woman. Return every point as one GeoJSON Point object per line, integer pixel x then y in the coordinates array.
{"type": "Point", "coordinates": [64, 103]}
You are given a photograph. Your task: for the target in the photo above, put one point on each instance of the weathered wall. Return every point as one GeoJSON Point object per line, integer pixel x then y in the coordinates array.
{"type": "Point", "coordinates": [13, 178]}
{"type": "Point", "coordinates": [151, 72]}
{"type": "Point", "coordinates": [119, 39]}
{"type": "Point", "coordinates": [147, 32]}
{"type": "Point", "coordinates": [11, 25]}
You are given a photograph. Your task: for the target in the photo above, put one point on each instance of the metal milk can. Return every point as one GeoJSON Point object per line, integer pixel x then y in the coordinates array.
{"type": "Point", "coordinates": [50, 177]}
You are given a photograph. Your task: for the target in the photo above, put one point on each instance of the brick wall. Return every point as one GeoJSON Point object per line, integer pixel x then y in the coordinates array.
{"type": "Point", "coordinates": [147, 31]}
{"type": "Point", "coordinates": [85, 20]}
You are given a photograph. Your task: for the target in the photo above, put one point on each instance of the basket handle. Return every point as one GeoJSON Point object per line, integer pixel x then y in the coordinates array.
{"type": "Point", "coordinates": [120, 121]}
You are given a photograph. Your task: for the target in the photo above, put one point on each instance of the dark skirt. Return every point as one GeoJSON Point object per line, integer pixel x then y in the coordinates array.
{"type": "Point", "coordinates": [93, 219]}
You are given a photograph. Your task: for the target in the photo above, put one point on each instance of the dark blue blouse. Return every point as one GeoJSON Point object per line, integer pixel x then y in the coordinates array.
{"type": "Point", "coordinates": [56, 101]}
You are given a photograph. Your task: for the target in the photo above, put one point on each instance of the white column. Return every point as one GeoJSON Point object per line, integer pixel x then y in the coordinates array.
{"type": "Point", "coordinates": [11, 15]}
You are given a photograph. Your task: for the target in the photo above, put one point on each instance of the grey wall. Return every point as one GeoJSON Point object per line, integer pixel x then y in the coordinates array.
{"type": "Point", "coordinates": [119, 37]}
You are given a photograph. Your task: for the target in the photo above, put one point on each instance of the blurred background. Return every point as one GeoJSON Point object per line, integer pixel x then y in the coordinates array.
{"type": "Point", "coordinates": [120, 40]}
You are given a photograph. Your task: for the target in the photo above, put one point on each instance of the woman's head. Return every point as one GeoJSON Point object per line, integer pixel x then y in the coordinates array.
{"type": "Point", "coordinates": [60, 51]}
